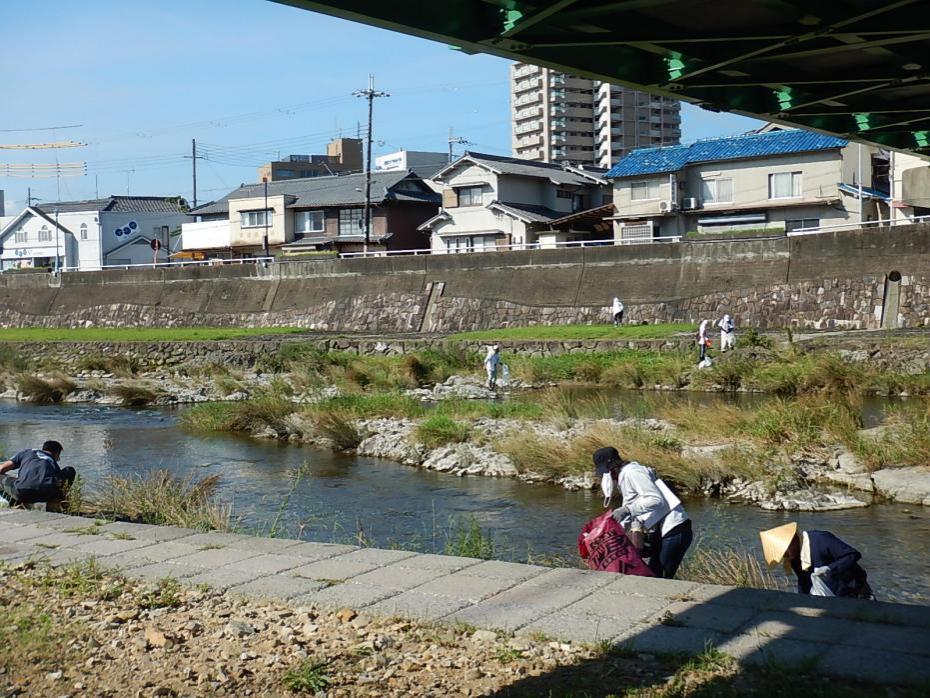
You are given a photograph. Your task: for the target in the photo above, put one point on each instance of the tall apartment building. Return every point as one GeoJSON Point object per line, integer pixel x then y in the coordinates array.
{"type": "Point", "coordinates": [559, 117]}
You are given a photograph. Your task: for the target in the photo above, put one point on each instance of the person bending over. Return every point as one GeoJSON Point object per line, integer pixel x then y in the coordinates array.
{"type": "Point", "coordinates": [39, 478]}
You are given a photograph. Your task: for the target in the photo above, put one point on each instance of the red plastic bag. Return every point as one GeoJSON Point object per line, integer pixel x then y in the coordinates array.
{"type": "Point", "coordinates": [604, 546]}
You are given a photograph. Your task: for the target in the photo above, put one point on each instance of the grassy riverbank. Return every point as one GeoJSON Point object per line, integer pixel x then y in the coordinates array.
{"type": "Point", "coordinates": [569, 332]}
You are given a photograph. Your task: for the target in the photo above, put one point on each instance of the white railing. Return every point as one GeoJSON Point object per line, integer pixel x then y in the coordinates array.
{"type": "Point", "coordinates": [880, 223]}
{"type": "Point", "coordinates": [519, 247]}
{"type": "Point", "coordinates": [182, 263]}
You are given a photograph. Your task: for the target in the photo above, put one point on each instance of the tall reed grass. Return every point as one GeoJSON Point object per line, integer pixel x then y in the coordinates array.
{"type": "Point", "coordinates": [160, 498]}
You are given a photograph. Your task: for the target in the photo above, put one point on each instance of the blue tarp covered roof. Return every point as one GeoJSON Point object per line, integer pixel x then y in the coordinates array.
{"type": "Point", "coordinates": [867, 192]}
{"type": "Point", "coordinates": [753, 145]}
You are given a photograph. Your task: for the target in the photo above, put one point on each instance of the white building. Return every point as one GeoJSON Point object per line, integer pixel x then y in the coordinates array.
{"type": "Point", "coordinates": [91, 234]}
{"type": "Point", "coordinates": [421, 162]}
{"type": "Point", "coordinates": [490, 201]}
{"type": "Point", "coordinates": [556, 117]}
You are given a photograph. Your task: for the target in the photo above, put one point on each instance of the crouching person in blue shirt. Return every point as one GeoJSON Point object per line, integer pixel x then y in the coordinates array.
{"type": "Point", "coordinates": [39, 479]}
{"type": "Point", "coordinates": [823, 564]}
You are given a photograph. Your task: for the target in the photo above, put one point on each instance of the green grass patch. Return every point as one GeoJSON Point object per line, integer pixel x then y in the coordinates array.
{"type": "Point", "coordinates": [468, 539]}
{"type": "Point", "coordinates": [440, 430]}
{"type": "Point", "coordinates": [310, 676]}
{"type": "Point", "coordinates": [570, 332]}
{"type": "Point", "coordinates": [138, 334]}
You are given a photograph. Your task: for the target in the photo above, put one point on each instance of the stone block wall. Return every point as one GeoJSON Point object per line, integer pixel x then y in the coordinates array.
{"type": "Point", "coordinates": [824, 281]}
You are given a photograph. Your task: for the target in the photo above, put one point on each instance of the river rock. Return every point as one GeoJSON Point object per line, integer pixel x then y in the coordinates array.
{"type": "Point", "coordinates": [470, 459]}
{"type": "Point", "coordinates": [392, 439]}
{"type": "Point", "coordinates": [811, 500]}
{"type": "Point", "coordinates": [910, 485]}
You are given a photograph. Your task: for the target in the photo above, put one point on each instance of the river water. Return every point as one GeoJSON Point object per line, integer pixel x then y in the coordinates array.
{"type": "Point", "coordinates": [343, 497]}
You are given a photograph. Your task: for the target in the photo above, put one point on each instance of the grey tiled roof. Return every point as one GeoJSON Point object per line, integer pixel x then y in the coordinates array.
{"type": "Point", "coordinates": [528, 212]}
{"type": "Point", "coordinates": [340, 190]}
{"type": "Point", "coordinates": [529, 168]}
{"type": "Point", "coordinates": [116, 204]}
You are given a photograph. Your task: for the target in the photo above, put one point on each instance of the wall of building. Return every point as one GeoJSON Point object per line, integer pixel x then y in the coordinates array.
{"type": "Point", "coordinates": [824, 281]}
{"type": "Point", "coordinates": [280, 231]}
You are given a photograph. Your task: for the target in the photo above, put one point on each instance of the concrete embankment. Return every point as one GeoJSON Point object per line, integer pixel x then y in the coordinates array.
{"type": "Point", "coordinates": [840, 279]}
{"type": "Point", "coordinates": [873, 641]}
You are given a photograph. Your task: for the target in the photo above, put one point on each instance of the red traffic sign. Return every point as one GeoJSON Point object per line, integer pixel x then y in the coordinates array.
{"type": "Point", "coordinates": [155, 245]}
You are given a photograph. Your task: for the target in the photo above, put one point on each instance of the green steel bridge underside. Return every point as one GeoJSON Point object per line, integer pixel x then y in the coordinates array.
{"type": "Point", "coordinates": [859, 69]}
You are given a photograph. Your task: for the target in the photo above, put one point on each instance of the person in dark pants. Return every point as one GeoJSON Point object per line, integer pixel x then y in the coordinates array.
{"type": "Point", "coordinates": [40, 477]}
{"type": "Point", "coordinates": [648, 505]}
{"type": "Point", "coordinates": [823, 564]}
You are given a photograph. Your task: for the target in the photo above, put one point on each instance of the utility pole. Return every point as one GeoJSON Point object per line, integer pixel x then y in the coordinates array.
{"type": "Point", "coordinates": [193, 157]}
{"type": "Point", "coordinates": [28, 197]}
{"type": "Point", "coordinates": [265, 214]}
{"type": "Point", "coordinates": [370, 95]}
{"type": "Point", "coordinates": [57, 203]}
{"type": "Point", "coordinates": [455, 140]}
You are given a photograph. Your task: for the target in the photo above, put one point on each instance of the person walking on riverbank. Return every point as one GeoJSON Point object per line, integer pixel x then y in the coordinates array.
{"type": "Point", "coordinates": [617, 311]}
{"type": "Point", "coordinates": [727, 333]}
{"type": "Point", "coordinates": [823, 564]}
{"type": "Point", "coordinates": [40, 478]}
{"type": "Point", "coordinates": [703, 343]}
{"type": "Point", "coordinates": [648, 504]}
{"type": "Point", "coordinates": [492, 363]}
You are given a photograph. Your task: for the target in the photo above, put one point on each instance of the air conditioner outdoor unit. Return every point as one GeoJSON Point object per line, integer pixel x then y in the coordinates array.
{"type": "Point", "coordinates": [689, 203]}
{"type": "Point", "coordinates": [667, 206]}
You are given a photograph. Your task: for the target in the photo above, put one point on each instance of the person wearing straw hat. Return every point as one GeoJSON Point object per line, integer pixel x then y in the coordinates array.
{"type": "Point", "coordinates": [648, 506]}
{"type": "Point", "coordinates": [823, 564]}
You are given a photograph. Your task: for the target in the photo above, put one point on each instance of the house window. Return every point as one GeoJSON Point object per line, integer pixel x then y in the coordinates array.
{"type": "Point", "coordinates": [470, 243]}
{"type": "Point", "coordinates": [470, 196]}
{"type": "Point", "coordinates": [257, 219]}
{"type": "Point", "coordinates": [21, 236]}
{"type": "Point", "coordinates": [799, 223]}
{"type": "Point", "coordinates": [45, 235]}
{"type": "Point", "coordinates": [563, 194]}
{"type": "Point", "coordinates": [308, 222]}
{"type": "Point", "coordinates": [715, 191]}
{"type": "Point", "coordinates": [350, 221]}
{"type": "Point", "coordinates": [785, 185]}
{"type": "Point", "coordinates": [83, 231]}
{"type": "Point", "coordinates": [644, 191]}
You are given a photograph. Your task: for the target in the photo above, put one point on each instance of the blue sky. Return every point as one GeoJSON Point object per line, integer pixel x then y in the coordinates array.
{"type": "Point", "coordinates": [247, 78]}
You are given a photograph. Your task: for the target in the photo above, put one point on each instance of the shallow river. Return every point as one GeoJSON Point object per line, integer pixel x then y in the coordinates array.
{"type": "Point", "coordinates": [395, 505]}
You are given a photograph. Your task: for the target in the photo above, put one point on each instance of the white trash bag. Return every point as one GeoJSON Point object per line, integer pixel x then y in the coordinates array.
{"type": "Point", "coordinates": [819, 586]}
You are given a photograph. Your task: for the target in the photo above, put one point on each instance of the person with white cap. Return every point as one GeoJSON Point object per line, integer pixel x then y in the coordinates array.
{"type": "Point", "coordinates": [727, 333]}
{"type": "Point", "coordinates": [649, 506]}
{"type": "Point", "coordinates": [823, 564]}
{"type": "Point", "coordinates": [491, 363]}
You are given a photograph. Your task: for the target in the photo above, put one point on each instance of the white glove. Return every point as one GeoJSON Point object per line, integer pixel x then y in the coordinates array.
{"type": "Point", "coordinates": [821, 571]}
{"type": "Point", "coordinates": [621, 513]}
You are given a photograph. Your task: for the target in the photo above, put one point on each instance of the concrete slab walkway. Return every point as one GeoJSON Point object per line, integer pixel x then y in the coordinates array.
{"type": "Point", "coordinates": [880, 642]}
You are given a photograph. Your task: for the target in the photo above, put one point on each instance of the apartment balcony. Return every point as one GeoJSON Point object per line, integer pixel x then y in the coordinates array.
{"type": "Point", "coordinates": [526, 85]}
{"type": "Point", "coordinates": [531, 98]}
{"type": "Point", "coordinates": [530, 141]}
{"type": "Point", "coordinates": [525, 71]}
{"type": "Point", "coordinates": [529, 127]}
{"type": "Point", "coordinates": [531, 113]}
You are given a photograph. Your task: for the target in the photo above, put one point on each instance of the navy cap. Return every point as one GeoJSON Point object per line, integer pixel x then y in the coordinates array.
{"type": "Point", "coordinates": [606, 459]}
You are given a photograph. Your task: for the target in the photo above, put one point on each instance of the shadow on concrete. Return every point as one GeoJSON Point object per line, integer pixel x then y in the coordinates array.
{"type": "Point", "coordinates": [781, 642]}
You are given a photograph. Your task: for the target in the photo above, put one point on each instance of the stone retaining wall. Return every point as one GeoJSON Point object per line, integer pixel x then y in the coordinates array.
{"type": "Point", "coordinates": [823, 281]}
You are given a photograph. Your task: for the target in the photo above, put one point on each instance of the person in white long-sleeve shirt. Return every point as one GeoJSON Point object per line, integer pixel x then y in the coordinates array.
{"type": "Point", "coordinates": [492, 363]}
{"type": "Point", "coordinates": [649, 505]}
{"type": "Point", "coordinates": [617, 311]}
{"type": "Point", "coordinates": [727, 333]}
